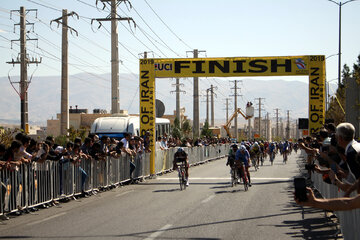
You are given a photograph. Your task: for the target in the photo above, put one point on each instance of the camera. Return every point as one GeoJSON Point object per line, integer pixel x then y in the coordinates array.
{"type": "Point", "coordinates": [325, 148]}
{"type": "Point", "coordinates": [300, 189]}
{"type": "Point", "coordinates": [310, 166]}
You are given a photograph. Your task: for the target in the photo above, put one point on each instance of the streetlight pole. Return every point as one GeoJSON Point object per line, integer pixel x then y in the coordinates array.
{"type": "Point", "coordinates": [327, 85]}
{"type": "Point", "coordinates": [339, 65]}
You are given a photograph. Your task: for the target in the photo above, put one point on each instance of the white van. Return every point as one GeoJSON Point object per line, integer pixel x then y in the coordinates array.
{"type": "Point", "coordinates": [116, 126]}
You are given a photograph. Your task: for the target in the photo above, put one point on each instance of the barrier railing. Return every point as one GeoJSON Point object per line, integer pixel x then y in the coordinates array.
{"type": "Point", "coordinates": [348, 219]}
{"type": "Point", "coordinates": [36, 184]}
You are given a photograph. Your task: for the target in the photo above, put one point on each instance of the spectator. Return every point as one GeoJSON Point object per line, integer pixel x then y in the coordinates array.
{"type": "Point", "coordinates": [158, 145]}
{"type": "Point", "coordinates": [23, 155]}
{"type": "Point", "coordinates": [104, 143]}
{"type": "Point", "coordinates": [76, 157]}
{"type": "Point", "coordinates": [139, 142]}
{"type": "Point", "coordinates": [164, 143]}
{"type": "Point", "coordinates": [13, 166]}
{"type": "Point", "coordinates": [96, 153]}
{"type": "Point", "coordinates": [147, 141]}
{"type": "Point", "coordinates": [133, 149]}
{"type": "Point", "coordinates": [86, 146]}
{"type": "Point", "coordinates": [2, 183]}
{"type": "Point", "coordinates": [334, 204]}
{"type": "Point", "coordinates": [345, 133]}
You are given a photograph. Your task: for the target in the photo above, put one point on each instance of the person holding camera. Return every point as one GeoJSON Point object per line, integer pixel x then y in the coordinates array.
{"type": "Point", "coordinates": [333, 204]}
{"type": "Point", "coordinates": [344, 135]}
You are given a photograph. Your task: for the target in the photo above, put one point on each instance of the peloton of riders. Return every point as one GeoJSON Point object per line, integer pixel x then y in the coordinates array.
{"type": "Point", "coordinates": [249, 154]}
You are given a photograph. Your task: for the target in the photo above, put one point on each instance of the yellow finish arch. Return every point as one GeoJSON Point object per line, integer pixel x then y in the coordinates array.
{"type": "Point", "coordinates": [309, 65]}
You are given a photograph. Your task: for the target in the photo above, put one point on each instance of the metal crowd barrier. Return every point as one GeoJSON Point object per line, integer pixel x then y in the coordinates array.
{"type": "Point", "coordinates": [36, 184]}
{"type": "Point", "coordinates": [348, 219]}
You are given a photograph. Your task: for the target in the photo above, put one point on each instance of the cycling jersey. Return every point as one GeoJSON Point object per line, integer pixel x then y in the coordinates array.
{"type": "Point", "coordinates": [271, 147]}
{"type": "Point", "coordinates": [242, 156]}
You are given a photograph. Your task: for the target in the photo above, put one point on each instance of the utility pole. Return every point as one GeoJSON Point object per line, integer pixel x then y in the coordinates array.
{"type": "Point", "coordinates": [64, 119]}
{"type": "Point", "coordinates": [207, 104]}
{"type": "Point", "coordinates": [212, 105]}
{"type": "Point", "coordinates": [288, 125]}
{"type": "Point", "coordinates": [114, 17]}
{"type": "Point", "coordinates": [178, 91]}
{"type": "Point", "coordinates": [24, 62]}
{"type": "Point", "coordinates": [267, 126]}
{"type": "Point", "coordinates": [259, 103]}
{"type": "Point", "coordinates": [196, 119]}
{"type": "Point", "coordinates": [277, 121]}
{"type": "Point", "coordinates": [227, 108]}
{"type": "Point", "coordinates": [235, 106]}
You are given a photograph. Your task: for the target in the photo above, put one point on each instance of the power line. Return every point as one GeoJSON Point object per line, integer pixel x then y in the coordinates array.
{"type": "Point", "coordinates": [43, 5]}
{"type": "Point", "coordinates": [154, 32]}
{"type": "Point", "coordinates": [167, 26]}
{"type": "Point", "coordinates": [131, 32]}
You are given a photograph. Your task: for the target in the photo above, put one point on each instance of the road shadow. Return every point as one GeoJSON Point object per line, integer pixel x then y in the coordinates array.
{"type": "Point", "coordinates": [269, 182]}
{"type": "Point", "coordinates": [167, 190]}
{"type": "Point", "coordinates": [145, 234]}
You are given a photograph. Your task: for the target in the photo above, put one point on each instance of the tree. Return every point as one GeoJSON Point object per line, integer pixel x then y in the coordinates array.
{"type": "Point", "coordinates": [356, 70]}
{"type": "Point", "coordinates": [206, 132]}
{"type": "Point", "coordinates": [6, 135]}
{"type": "Point", "coordinates": [176, 133]}
{"type": "Point", "coordinates": [72, 134]}
{"type": "Point", "coordinates": [346, 72]}
{"type": "Point", "coordinates": [186, 128]}
{"type": "Point", "coordinates": [337, 102]}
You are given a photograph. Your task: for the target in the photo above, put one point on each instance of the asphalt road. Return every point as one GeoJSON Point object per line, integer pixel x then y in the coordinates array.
{"type": "Point", "coordinates": [208, 209]}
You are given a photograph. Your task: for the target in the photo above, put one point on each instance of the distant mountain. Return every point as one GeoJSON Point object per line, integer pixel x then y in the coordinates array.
{"type": "Point", "coordinates": [93, 91]}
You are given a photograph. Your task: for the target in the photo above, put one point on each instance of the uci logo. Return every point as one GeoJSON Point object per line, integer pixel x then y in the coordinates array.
{"type": "Point", "coordinates": [163, 66]}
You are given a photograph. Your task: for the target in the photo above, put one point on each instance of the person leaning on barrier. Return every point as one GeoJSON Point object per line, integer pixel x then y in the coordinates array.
{"type": "Point", "coordinates": [333, 204]}
{"type": "Point", "coordinates": [345, 133]}
{"type": "Point", "coordinates": [2, 183]}
{"type": "Point", "coordinates": [146, 138]}
{"type": "Point", "coordinates": [96, 153]}
{"type": "Point", "coordinates": [86, 146]}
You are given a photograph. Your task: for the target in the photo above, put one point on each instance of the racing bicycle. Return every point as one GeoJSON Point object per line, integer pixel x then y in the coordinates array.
{"type": "Point", "coordinates": [181, 173]}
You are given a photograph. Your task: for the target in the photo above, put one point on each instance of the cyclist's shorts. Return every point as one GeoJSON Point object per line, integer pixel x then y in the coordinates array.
{"type": "Point", "coordinates": [182, 161]}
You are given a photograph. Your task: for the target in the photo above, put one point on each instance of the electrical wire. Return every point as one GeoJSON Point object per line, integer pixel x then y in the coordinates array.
{"type": "Point", "coordinates": [154, 32]}
{"type": "Point", "coordinates": [43, 5]}
{"type": "Point", "coordinates": [168, 26]}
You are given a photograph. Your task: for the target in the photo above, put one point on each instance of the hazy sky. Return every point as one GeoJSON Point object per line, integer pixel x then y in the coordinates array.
{"type": "Point", "coordinates": [170, 28]}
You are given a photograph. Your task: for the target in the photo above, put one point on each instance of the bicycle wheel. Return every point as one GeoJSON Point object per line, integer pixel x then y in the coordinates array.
{"type": "Point", "coordinates": [246, 186]}
{"type": "Point", "coordinates": [183, 180]}
{"type": "Point", "coordinates": [233, 178]}
{"type": "Point", "coordinates": [180, 180]}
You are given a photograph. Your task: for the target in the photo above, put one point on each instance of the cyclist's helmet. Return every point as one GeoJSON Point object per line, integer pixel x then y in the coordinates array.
{"type": "Point", "coordinates": [234, 146]}
{"type": "Point", "coordinates": [180, 150]}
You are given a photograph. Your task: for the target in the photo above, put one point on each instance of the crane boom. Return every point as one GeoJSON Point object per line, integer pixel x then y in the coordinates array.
{"type": "Point", "coordinates": [235, 114]}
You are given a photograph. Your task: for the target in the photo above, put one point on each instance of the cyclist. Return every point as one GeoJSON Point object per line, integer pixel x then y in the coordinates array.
{"type": "Point", "coordinates": [181, 157]}
{"type": "Point", "coordinates": [262, 152]}
{"type": "Point", "coordinates": [285, 150]}
{"type": "Point", "coordinates": [255, 153]}
{"type": "Point", "coordinates": [272, 152]}
{"type": "Point", "coordinates": [242, 157]}
{"type": "Point", "coordinates": [231, 158]}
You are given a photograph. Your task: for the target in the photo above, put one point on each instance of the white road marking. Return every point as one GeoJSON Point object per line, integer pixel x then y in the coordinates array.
{"type": "Point", "coordinates": [227, 178]}
{"type": "Point", "coordinates": [159, 232]}
{"type": "Point", "coordinates": [122, 194]}
{"type": "Point", "coordinates": [208, 199]}
{"type": "Point", "coordinates": [46, 219]}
